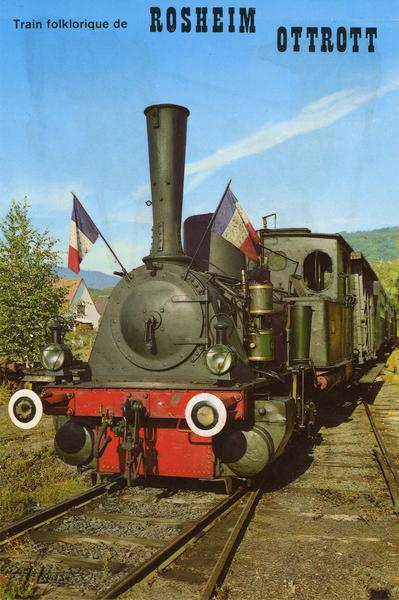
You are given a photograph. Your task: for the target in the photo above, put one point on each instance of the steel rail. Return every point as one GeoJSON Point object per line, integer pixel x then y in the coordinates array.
{"type": "Point", "coordinates": [224, 557]}
{"type": "Point", "coordinates": [386, 457]}
{"type": "Point", "coordinates": [393, 489]}
{"type": "Point", "coordinates": [160, 557]}
{"type": "Point", "coordinates": [24, 524]}
{"type": "Point", "coordinates": [384, 450]}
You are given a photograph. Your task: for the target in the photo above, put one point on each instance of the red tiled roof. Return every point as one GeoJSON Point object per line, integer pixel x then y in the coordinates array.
{"type": "Point", "coordinates": [71, 285]}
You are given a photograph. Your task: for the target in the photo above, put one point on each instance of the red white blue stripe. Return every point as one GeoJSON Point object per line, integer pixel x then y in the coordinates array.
{"type": "Point", "coordinates": [232, 223]}
{"type": "Point", "coordinates": [82, 236]}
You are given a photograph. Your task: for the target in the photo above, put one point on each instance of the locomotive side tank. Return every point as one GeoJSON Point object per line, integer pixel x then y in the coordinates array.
{"type": "Point", "coordinates": [174, 386]}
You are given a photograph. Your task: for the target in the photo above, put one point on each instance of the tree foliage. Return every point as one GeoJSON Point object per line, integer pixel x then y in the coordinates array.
{"type": "Point", "coordinates": [388, 273]}
{"type": "Point", "coordinates": [28, 298]}
{"type": "Point", "coordinates": [381, 249]}
{"type": "Point", "coordinates": [376, 244]}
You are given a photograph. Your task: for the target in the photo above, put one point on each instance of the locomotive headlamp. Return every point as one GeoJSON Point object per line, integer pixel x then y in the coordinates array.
{"type": "Point", "coordinates": [25, 409]}
{"type": "Point", "coordinates": [57, 355]}
{"type": "Point", "coordinates": [53, 357]}
{"type": "Point", "coordinates": [220, 359]}
{"type": "Point", "coordinates": [205, 414]}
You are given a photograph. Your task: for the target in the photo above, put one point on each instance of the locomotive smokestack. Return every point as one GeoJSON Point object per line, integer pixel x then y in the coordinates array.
{"type": "Point", "coordinates": [166, 131]}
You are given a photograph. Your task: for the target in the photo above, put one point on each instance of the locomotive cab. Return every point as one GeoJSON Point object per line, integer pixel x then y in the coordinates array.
{"type": "Point", "coordinates": [313, 270]}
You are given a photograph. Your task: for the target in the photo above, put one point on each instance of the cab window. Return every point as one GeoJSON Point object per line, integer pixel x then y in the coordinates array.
{"type": "Point", "coordinates": [317, 270]}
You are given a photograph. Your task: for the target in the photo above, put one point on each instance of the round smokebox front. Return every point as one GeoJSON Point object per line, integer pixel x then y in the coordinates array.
{"type": "Point", "coordinates": [160, 320]}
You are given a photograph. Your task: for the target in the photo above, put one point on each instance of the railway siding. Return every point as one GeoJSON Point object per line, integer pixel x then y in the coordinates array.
{"type": "Point", "coordinates": [331, 532]}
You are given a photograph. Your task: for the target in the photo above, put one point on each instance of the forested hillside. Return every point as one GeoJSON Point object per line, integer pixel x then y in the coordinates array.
{"type": "Point", "coordinates": [377, 244]}
{"type": "Point", "coordinates": [381, 248]}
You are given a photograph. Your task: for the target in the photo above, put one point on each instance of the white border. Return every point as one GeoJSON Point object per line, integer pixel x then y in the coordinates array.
{"type": "Point", "coordinates": [37, 402]}
{"type": "Point", "coordinates": [213, 401]}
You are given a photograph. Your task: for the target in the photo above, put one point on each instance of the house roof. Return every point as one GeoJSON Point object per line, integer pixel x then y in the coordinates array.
{"type": "Point", "coordinates": [71, 285]}
{"type": "Point", "coordinates": [101, 303]}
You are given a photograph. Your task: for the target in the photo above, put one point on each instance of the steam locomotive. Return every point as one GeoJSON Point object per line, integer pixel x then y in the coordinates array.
{"type": "Point", "coordinates": [203, 368]}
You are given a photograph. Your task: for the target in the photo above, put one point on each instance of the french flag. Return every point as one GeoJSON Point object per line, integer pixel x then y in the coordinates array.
{"type": "Point", "coordinates": [83, 235]}
{"type": "Point", "coordinates": [232, 223]}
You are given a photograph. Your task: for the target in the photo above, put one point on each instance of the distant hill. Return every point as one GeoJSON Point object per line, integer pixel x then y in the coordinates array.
{"type": "Point", "coordinates": [376, 244]}
{"type": "Point", "coordinates": [93, 279]}
{"type": "Point", "coordinates": [96, 293]}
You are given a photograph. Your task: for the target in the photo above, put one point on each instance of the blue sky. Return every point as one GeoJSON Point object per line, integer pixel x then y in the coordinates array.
{"type": "Point", "coordinates": [313, 137]}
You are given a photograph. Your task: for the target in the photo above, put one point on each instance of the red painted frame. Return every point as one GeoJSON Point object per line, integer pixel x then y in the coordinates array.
{"type": "Point", "coordinates": [170, 448]}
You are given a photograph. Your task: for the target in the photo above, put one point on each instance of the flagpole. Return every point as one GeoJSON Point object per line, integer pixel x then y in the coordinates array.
{"type": "Point", "coordinates": [125, 273]}
{"type": "Point", "coordinates": [114, 255]}
{"type": "Point", "coordinates": [207, 229]}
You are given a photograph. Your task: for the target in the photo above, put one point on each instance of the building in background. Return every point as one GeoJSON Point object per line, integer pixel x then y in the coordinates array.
{"type": "Point", "coordinates": [101, 302]}
{"type": "Point", "coordinates": [78, 294]}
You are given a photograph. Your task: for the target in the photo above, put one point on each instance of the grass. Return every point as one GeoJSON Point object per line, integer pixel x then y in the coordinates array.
{"type": "Point", "coordinates": [33, 479]}
{"type": "Point", "coordinates": [4, 393]}
{"type": "Point", "coordinates": [8, 429]}
{"type": "Point", "coordinates": [222, 593]}
{"type": "Point", "coordinates": [81, 342]}
{"type": "Point", "coordinates": [30, 478]}
{"type": "Point", "coordinates": [95, 293]}
{"type": "Point", "coordinates": [391, 372]}
{"type": "Point", "coordinates": [15, 587]}
{"type": "Point", "coordinates": [12, 588]}
{"type": "Point", "coordinates": [31, 474]}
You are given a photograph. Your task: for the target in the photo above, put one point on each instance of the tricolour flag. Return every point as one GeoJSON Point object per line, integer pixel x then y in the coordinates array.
{"type": "Point", "coordinates": [232, 223]}
{"type": "Point", "coordinates": [83, 235]}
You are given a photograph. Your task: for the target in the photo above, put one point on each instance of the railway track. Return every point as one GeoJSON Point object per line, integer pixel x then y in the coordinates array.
{"type": "Point", "coordinates": [156, 543]}
{"type": "Point", "coordinates": [108, 539]}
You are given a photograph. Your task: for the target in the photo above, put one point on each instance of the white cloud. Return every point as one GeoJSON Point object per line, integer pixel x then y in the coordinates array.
{"type": "Point", "coordinates": [314, 116]}
{"type": "Point", "coordinates": [195, 180]}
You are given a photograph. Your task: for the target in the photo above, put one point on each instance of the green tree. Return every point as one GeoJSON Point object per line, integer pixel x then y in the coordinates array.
{"type": "Point", "coordinates": [28, 298]}
{"type": "Point", "coordinates": [388, 273]}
